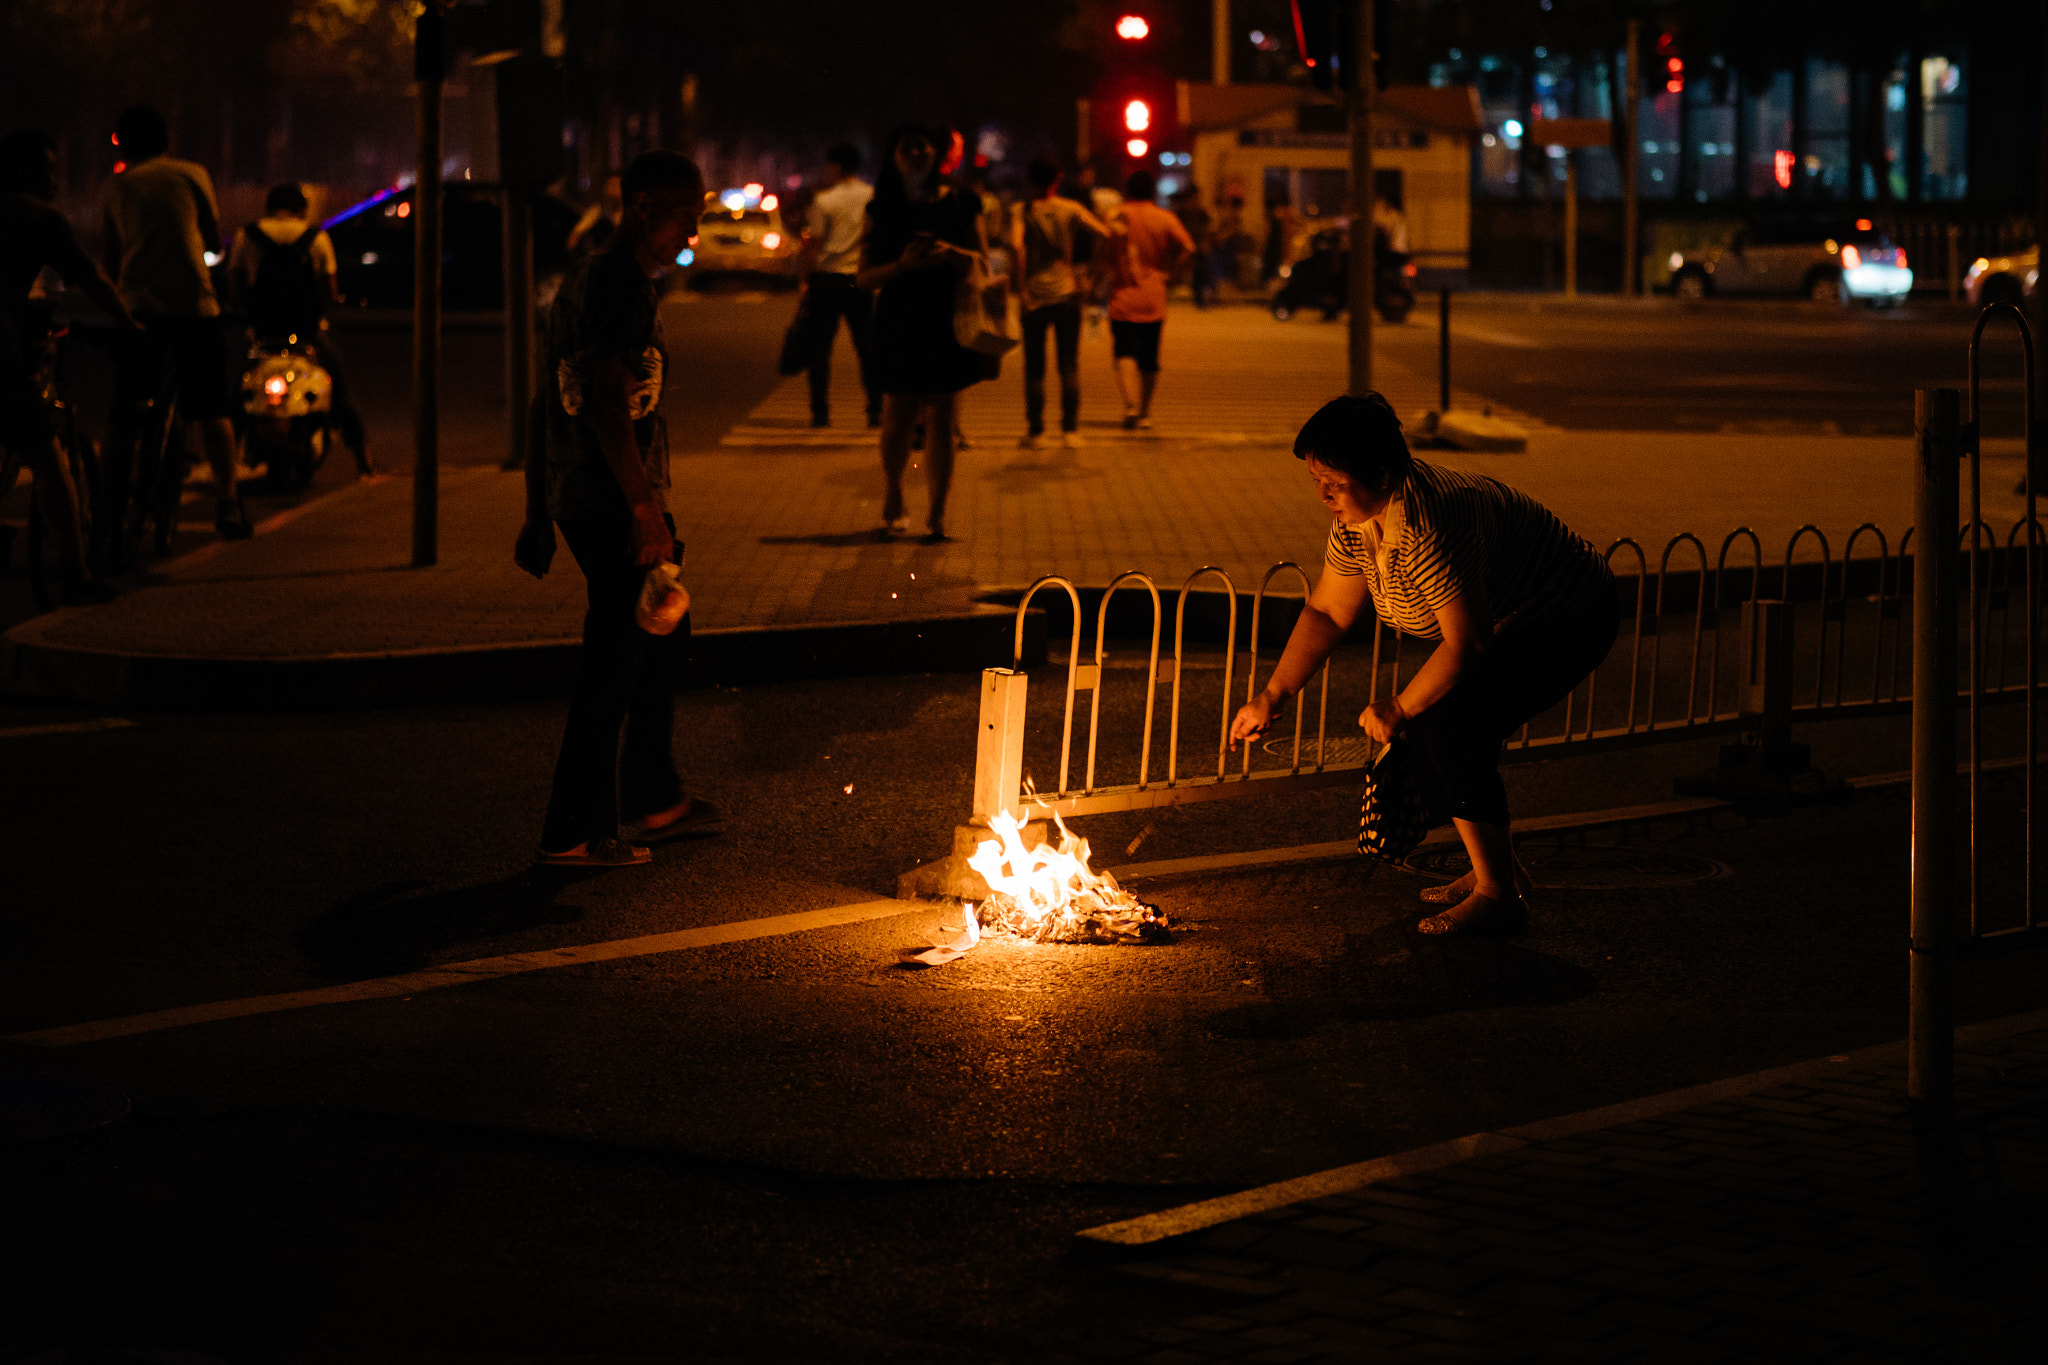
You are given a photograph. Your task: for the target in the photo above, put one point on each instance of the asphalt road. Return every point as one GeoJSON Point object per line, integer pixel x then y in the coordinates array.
{"type": "Point", "coordinates": [1724, 365]}
{"type": "Point", "coordinates": [794, 1148]}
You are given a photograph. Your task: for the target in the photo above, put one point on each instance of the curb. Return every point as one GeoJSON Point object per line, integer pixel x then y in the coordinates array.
{"type": "Point", "coordinates": [33, 668]}
{"type": "Point", "coordinates": [1136, 1235]}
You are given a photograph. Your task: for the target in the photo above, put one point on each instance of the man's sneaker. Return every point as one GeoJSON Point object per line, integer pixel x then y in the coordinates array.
{"type": "Point", "coordinates": [232, 520]}
{"type": "Point", "coordinates": [1035, 441]}
{"type": "Point", "coordinates": [1072, 440]}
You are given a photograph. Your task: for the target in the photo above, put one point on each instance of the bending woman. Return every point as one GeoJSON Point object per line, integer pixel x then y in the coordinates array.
{"type": "Point", "coordinates": [1522, 609]}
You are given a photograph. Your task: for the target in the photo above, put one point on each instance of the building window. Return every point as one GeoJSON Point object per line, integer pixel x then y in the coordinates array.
{"type": "Point", "coordinates": [1944, 128]}
{"type": "Point", "coordinates": [1659, 156]}
{"type": "Point", "coordinates": [1824, 168]}
{"type": "Point", "coordinates": [1768, 110]}
{"type": "Point", "coordinates": [1894, 96]}
{"type": "Point", "coordinates": [1710, 135]}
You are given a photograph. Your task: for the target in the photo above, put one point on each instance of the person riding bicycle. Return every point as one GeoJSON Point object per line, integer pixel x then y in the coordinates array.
{"type": "Point", "coordinates": [161, 225]}
{"type": "Point", "coordinates": [35, 236]}
{"type": "Point", "coordinates": [281, 272]}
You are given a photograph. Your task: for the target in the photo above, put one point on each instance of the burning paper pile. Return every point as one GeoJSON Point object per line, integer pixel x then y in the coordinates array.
{"type": "Point", "coordinates": [1050, 895]}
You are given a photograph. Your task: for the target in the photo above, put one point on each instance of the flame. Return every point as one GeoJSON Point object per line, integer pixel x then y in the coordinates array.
{"type": "Point", "coordinates": [1050, 894]}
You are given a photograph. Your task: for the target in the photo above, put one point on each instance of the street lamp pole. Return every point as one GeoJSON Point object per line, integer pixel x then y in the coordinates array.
{"type": "Point", "coordinates": [430, 67]}
{"type": "Point", "coordinates": [1631, 85]}
{"type": "Point", "coordinates": [1361, 273]}
{"type": "Point", "coordinates": [1219, 41]}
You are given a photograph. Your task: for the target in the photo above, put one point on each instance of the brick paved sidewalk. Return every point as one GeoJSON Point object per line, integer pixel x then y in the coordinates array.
{"type": "Point", "coordinates": [780, 519]}
{"type": "Point", "coordinates": [1798, 1215]}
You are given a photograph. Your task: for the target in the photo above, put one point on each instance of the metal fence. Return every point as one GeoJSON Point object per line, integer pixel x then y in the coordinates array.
{"type": "Point", "coordinates": [1710, 644]}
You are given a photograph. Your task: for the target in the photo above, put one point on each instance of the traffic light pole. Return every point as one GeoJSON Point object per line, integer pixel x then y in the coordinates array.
{"type": "Point", "coordinates": [1631, 100]}
{"type": "Point", "coordinates": [1361, 281]}
{"type": "Point", "coordinates": [430, 66]}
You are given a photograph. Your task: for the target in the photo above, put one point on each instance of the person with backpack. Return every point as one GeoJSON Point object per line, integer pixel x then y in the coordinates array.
{"type": "Point", "coordinates": [282, 269]}
{"type": "Point", "coordinates": [1044, 234]}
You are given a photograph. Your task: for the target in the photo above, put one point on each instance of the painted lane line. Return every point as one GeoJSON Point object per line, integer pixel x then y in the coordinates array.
{"type": "Point", "coordinates": [1208, 1213]}
{"type": "Point", "coordinates": [73, 727]}
{"type": "Point", "coordinates": [464, 973]}
{"type": "Point", "coordinates": [1178, 1222]}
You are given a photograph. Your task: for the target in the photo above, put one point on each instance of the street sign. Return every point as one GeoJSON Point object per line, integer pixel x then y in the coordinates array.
{"type": "Point", "coordinates": [1572, 132]}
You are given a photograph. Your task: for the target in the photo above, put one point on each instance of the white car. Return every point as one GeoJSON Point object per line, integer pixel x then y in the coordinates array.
{"type": "Point", "coordinates": [1838, 264]}
{"type": "Point", "coordinates": [745, 240]}
{"type": "Point", "coordinates": [2003, 279]}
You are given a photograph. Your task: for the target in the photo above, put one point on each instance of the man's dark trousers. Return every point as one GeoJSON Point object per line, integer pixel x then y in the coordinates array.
{"type": "Point", "coordinates": [833, 297]}
{"type": "Point", "coordinates": [626, 682]}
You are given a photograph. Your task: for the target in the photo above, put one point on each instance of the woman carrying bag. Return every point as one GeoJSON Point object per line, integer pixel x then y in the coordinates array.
{"type": "Point", "coordinates": [1522, 608]}
{"type": "Point", "coordinates": [922, 238]}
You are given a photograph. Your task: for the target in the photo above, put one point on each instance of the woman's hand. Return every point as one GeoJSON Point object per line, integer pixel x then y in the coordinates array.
{"type": "Point", "coordinates": [1252, 718]}
{"type": "Point", "coordinates": [1383, 720]}
{"type": "Point", "coordinates": [921, 252]}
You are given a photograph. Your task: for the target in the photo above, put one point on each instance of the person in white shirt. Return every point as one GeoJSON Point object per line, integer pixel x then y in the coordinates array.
{"type": "Point", "coordinates": [831, 256]}
{"type": "Point", "coordinates": [161, 227]}
{"type": "Point", "coordinates": [281, 273]}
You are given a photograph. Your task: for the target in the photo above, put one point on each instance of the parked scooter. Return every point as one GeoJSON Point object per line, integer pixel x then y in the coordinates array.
{"type": "Point", "coordinates": [1322, 279]}
{"type": "Point", "coordinates": [287, 404]}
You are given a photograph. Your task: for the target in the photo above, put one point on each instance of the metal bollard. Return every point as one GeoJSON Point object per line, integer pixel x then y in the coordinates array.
{"type": "Point", "coordinates": [1767, 691]}
{"type": "Point", "coordinates": [1938, 450]}
{"type": "Point", "coordinates": [999, 750]}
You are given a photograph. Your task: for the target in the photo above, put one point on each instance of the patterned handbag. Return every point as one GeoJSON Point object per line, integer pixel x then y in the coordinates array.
{"type": "Point", "coordinates": [1394, 815]}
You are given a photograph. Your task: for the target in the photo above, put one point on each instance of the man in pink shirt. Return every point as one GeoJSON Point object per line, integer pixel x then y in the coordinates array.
{"type": "Point", "coordinates": [1149, 244]}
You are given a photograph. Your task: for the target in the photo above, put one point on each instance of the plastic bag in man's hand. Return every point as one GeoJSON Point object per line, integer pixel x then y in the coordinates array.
{"type": "Point", "coordinates": [663, 600]}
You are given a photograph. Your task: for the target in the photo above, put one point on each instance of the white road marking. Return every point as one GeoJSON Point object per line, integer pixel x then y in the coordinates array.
{"type": "Point", "coordinates": [463, 973]}
{"type": "Point", "coordinates": [1496, 338]}
{"type": "Point", "coordinates": [68, 727]}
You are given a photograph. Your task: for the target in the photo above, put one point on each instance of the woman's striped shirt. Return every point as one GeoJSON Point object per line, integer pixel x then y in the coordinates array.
{"type": "Point", "coordinates": [1446, 530]}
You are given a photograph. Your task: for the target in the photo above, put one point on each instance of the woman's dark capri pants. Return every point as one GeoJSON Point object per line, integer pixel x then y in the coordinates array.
{"type": "Point", "coordinates": [1525, 671]}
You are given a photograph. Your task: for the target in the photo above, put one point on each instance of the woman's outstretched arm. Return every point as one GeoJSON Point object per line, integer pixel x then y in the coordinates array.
{"type": "Point", "coordinates": [1332, 606]}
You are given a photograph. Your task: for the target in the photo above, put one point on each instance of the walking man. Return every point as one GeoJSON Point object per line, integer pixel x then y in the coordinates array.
{"type": "Point", "coordinates": [1043, 235]}
{"type": "Point", "coordinates": [601, 475]}
{"type": "Point", "coordinates": [1151, 244]}
{"type": "Point", "coordinates": [831, 256]}
{"type": "Point", "coordinates": [282, 270]}
{"type": "Point", "coordinates": [161, 227]}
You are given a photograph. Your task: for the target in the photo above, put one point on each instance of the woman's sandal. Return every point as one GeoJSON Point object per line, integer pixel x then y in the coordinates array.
{"type": "Point", "coordinates": [694, 813]}
{"type": "Point", "coordinates": [1450, 893]}
{"type": "Point", "coordinates": [1496, 919]}
{"type": "Point", "coordinates": [607, 852]}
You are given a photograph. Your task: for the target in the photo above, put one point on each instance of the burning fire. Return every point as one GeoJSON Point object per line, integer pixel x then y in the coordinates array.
{"type": "Point", "coordinates": [1051, 895]}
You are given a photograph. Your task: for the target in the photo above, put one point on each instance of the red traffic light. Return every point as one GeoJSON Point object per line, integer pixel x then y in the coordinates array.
{"type": "Point", "coordinates": [1132, 27]}
{"type": "Point", "coordinates": [1137, 116]}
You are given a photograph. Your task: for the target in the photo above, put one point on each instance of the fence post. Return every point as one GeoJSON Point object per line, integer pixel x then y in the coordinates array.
{"type": "Point", "coordinates": [1764, 764]}
{"type": "Point", "coordinates": [1937, 448]}
{"type": "Point", "coordinates": [999, 749]}
{"type": "Point", "coordinates": [1767, 697]}
{"type": "Point", "coordinates": [998, 779]}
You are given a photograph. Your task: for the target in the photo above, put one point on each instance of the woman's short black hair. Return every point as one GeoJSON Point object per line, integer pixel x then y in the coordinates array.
{"type": "Point", "coordinates": [285, 198]}
{"type": "Point", "coordinates": [1359, 435]}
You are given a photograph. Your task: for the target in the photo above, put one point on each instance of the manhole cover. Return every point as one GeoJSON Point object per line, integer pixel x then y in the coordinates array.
{"type": "Point", "coordinates": [1566, 867]}
{"type": "Point", "coordinates": [1337, 749]}
{"type": "Point", "coordinates": [33, 1107]}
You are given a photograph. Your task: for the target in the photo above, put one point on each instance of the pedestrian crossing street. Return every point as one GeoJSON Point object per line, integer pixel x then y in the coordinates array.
{"type": "Point", "coordinates": [1229, 376]}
